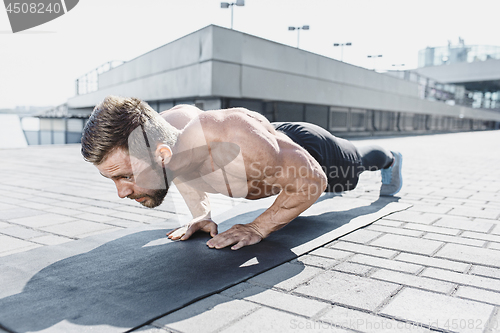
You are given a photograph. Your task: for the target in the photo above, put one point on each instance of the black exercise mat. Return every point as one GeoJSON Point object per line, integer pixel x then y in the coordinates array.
{"type": "Point", "coordinates": [117, 281]}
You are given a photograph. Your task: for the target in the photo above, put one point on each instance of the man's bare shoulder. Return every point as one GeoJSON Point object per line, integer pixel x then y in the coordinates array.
{"type": "Point", "coordinates": [236, 119]}
{"type": "Point", "coordinates": [180, 115]}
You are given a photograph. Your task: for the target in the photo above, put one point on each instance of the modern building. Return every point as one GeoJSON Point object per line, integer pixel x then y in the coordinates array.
{"type": "Point", "coordinates": [473, 68]}
{"type": "Point", "coordinates": [216, 68]}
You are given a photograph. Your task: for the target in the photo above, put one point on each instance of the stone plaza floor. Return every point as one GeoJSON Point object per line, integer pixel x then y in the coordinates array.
{"type": "Point", "coordinates": [432, 267]}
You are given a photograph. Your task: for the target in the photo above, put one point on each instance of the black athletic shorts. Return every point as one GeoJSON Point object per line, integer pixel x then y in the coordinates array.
{"type": "Point", "coordinates": [339, 158]}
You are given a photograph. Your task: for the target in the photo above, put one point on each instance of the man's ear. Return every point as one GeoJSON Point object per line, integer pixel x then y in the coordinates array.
{"type": "Point", "coordinates": [163, 153]}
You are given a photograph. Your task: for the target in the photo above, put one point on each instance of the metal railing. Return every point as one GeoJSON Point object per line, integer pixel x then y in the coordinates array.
{"type": "Point", "coordinates": [90, 82]}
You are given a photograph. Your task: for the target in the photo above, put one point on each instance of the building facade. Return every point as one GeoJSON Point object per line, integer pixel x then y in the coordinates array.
{"type": "Point", "coordinates": [217, 68]}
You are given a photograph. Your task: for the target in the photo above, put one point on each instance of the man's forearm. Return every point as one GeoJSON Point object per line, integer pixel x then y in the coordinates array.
{"type": "Point", "coordinates": [197, 201]}
{"type": "Point", "coordinates": [286, 207]}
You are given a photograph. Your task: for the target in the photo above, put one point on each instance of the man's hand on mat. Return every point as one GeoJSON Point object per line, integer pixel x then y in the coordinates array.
{"type": "Point", "coordinates": [239, 234]}
{"type": "Point", "coordinates": [183, 233]}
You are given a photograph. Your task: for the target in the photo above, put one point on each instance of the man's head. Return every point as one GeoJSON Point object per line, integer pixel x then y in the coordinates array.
{"type": "Point", "coordinates": [130, 143]}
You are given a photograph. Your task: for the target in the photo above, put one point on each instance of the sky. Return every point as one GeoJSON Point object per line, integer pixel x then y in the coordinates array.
{"type": "Point", "coordinates": [38, 67]}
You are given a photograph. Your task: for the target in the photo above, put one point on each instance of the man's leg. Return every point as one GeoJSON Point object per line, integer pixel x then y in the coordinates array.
{"type": "Point", "coordinates": [377, 158]}
{"type": "Point", "coordinates": [374, 157]}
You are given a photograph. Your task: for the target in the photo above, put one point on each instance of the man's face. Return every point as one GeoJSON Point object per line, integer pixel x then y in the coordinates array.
{"type": "Point", "coordinates": [134, 179]}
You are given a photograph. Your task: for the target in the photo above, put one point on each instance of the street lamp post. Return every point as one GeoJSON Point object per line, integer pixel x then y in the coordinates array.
{"type": "Point", "coordinates": [304, 27]}
{"type": "Point", "coordinates": [374, 56]}
{"type": "Point", "coordinates": [342, 49]}
{"type": "Point", "coordinates": [228, 4]}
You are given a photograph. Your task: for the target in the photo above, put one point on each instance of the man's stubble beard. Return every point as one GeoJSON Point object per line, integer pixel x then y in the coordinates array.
{"type": "Point", "coordinates": [155, 199]}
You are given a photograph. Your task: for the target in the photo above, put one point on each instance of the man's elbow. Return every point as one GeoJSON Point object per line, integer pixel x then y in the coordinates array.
{"type": "Point", "coordinates": [317, 185]}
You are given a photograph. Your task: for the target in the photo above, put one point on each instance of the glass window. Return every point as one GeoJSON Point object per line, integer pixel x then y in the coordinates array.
{"type": "Point", "coordinates": [357, 120]}
{"type": "Point", "coordinates": [338, 118]}
{"type": "Point", "coordinates": [317, 114]}
{"type": "Point", "coordinates": [289, 112]}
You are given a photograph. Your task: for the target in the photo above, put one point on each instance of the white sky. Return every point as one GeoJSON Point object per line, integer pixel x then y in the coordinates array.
{"type": "Point", "coordinates": [39, 66]}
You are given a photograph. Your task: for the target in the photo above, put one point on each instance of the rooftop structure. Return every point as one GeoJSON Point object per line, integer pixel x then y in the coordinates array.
{"type": "Point", "coordinates": [218, 68]}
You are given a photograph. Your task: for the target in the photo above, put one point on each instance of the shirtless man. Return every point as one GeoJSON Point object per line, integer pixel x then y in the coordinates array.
{"type": "Point", "coordinates": [235, 152]}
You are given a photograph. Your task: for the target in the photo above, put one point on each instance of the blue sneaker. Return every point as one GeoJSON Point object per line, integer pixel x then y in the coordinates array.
{"type": "Point", "coordinates": [392, 181]}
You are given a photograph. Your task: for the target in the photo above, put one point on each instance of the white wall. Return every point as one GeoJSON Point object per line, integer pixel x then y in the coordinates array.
{"type": "Point", "coordinates": [11, 132]}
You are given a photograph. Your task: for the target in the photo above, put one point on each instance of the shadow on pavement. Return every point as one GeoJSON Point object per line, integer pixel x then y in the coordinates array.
{"type": "Point", "coordinates": [124, 283]}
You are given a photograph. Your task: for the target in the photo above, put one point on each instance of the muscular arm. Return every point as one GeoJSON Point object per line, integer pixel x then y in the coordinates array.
{"type": "Point", "coordinates": [199, 205]}
{"type": "Point", "coordinates": [295, 171]}
{"type": "Point", "coordinates": [302, 182]}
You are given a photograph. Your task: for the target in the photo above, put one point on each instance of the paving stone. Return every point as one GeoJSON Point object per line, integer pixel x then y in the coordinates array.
{"type": "Point", "coordinates": [51, 239]}
{"type": "Point", "coordinates": [63, 211]}
{"type": "Point", "coordinates": [270, 320]}
{"type": "Point", "coordinates": [162, 214]}
{"type": "Point", "coordinates": [5, 206]}
{"type": "Point", "coordinates": [461, 278]}
{"type": "Point", "coordinates": [480, 295]}
{"type": "Point", "coordinates": [494, 246]}
{"type": "Point", "coordinates": [386, 263]}
{"type": "Point", "coordinates": [9, 244]}
{"type": "Point", "coordinates": [361, 236]}
{"type": "Point", "coordinates": [133, 217]}
{"type": "Point", "coordinates": [430, 209]}
{"type": "Point", "coordinates": [433, 262]}
{"type": "Point", "coordinates": [274, 277]}
{"type": "Point", "coordinates": [431, 228]}
{"type": "Point", "coordinates": [5, 225]}
{"type": "Point", "coordinates": [95, 217]}
{"type": "Point", "coordinates": [464, 223]}
{"type": "Point", "coordinates": [42, 220]}
{"type": "Point", "coordinates": [475, 212]}
{"type": "Point", "coordinates": [388, 223]}
{"type": "Point", "coordinates": [281, 301]}
{"type": "Point", "coordinates": [35, 205]}
{"type": "Point", "coordinates": [76, 228]}
{"type": "Point", "coordinates": [124, 223]}
{"type": "Point", "coordinates": [370, 250]}
{"type": "Point", "coordinates": [486, 271]}
{"type": "Point", "coordinates": [348, 289]}
{"type": "Point", "coordinates": [17, 213]}
{"type": "Point", "coordinates": [104, 204]}
{"type": "Point", "coordinates": [353, 268]}
{"type": "Point", "coordinates": [364, 322]}
{"type": "Point", "coordinates": [70, 205]}
{"type": "Point", "coordinates": [407, 244]}
{"type": "Point", "coordinates": [413, 281]}
{"type": "Point", "coordinates": [496, 229]}
{"type": "Point", "coordinates": [316, 261]}
{"type": "Point", "coordinates": [415, 217]}
{"type": "Point", "coordinates": [207, 315]}
{"type": "Point", "coordinates": [42, 200]}
{"type": "Point", "coordinates": [98, 210]}
{"type": "Point", "coordinates": [455, 239]}
{"type": "Point", "coordinates": [469, 254]}
{"type": "Point", "coordinates": [331, 253]}
{"type": "Point", "coordinates": [397, 231]}
{"type": "Point", "coordinates": [438, 311]}
{"type": "Point", "coordinates": [477, 235]}
{"type": "Point", "coordinates": [21, 232]}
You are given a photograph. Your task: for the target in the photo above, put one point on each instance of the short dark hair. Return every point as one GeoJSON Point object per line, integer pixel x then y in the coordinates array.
{"type": "Point", "coordinates": [112, 122]}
